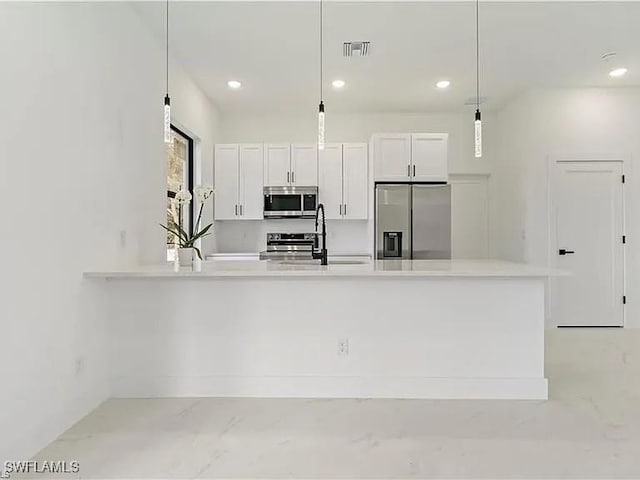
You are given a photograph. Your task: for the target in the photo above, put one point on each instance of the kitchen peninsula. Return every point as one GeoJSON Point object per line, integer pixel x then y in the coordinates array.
{"type": "Point", "coordinates": [381, 329]}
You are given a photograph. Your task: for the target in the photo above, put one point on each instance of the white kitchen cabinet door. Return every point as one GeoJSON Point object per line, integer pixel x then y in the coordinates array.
{"type": "Point", "coordinates": [251, 182]}
{"type": "Point", "coordinates": [226, 182]}
{"type": "Point", "coordinates": [277, 165]}
{"type": "Point", "coordinates": [330, 180]}
{"type": "Point", "coordinates": [392, 157]}
{"type": "Point", "coordinates": [429, 157]}
{"type": "Point", "coordinates": [304, 165]}
{"type": "Point", "coordinates": [354, 181]}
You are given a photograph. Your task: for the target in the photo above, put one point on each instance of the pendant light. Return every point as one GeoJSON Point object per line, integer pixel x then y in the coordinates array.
{"type": "Point", "coordinates": [167, 100]}
{"type": "Point", "coordinates": [321, 106]}
{"type": "Point", "coordinates": [478, 116]}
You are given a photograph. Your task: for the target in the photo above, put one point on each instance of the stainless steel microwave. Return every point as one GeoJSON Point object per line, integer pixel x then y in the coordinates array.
{"type": "Point", "coordinates": [290, 202]}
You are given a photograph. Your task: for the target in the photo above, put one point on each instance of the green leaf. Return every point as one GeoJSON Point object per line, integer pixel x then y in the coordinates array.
{"type": "Point", "coordinates": [202, 233]}
{"type": "Point", "coordinates": [198, 252]}
{"type": "Point", "coordinates": [184, 234]}
{"type": "Point", "coordinates": [180, 236]}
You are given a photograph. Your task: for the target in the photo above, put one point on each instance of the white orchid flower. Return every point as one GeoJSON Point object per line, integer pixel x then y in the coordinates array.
{"type": "Point", "coordinates": [202, 193]}
{"type": "Point", "coordinates": [183, 197]}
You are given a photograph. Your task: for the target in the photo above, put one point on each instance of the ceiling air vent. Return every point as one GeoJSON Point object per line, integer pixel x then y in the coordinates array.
{"type": "Point", "coordinates": [350, 49]}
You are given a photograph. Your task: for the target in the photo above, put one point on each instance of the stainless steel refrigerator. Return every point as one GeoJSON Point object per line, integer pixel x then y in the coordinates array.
{"type": "Point", "coordinates": [413, 221]}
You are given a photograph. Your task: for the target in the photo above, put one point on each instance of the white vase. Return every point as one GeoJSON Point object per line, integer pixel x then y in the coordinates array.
{"type": "Point", "coordinates": [197, 263]}
{"type": "Point", "coordinates": [185, 257]}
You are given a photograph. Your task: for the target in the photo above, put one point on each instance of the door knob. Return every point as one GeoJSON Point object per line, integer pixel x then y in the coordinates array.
{"type": "Point", "coordinates": [562, 251]}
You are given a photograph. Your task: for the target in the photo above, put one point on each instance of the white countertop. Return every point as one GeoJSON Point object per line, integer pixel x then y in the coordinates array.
{"type": "Point", "coordinates": [378, 268]}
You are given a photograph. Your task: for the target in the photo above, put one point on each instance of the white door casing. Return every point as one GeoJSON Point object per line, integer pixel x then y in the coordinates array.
{"type": "Point", "coordinates": [587, 214]}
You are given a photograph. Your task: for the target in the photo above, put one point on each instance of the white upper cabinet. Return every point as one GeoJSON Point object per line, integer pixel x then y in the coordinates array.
{"type": "Point", "coordinates": [429, 157]}
{"type": "Point", "coordinates": [277, 165]}
{"type": "Point", "coordinates": [343, 185]}
{"type": "Point", "coordinates": [418, 157]}
{"type": "Point", "coordinates": [238, 179]}
{"type": "Point", "coordinates": [251, 180]}
{"type": "Point", "coordinates": [355, 181]}
{"type": "Point", "coordinates": [330, 181]}
{"type": "Point", "coordinates": [226, 182]}
{"type": "Point", "coordinates": [392, 157]}
{"type": "Point", "coordinates": [241, 172]}
{"type": "Point", "coordinates": [304, 165]}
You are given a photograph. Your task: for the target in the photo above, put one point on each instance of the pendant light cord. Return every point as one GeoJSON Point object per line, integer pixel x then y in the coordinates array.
{"type": "Point", "coordinates": [167, 46]}
{"type": "Point", "coordinates": [321, 91]}
{"type": "Point", "coordinates": [478, 54]}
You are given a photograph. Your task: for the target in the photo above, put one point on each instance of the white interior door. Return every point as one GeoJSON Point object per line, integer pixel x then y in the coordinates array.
{"type": "Point", "coordinates": [226, 180]}
{"type": "Point", "coordinates": [354, 181]}
{"type": "Point", "coordinates": [304, 165]}
{"type": "Point", "coordinates": [277, 165]}
{"type": "Point", "coordinates": [330, 180]}
{"type": "Point", "coordinates": [251, 181]}
{"type": "Point", "coordinates": [589, 223]}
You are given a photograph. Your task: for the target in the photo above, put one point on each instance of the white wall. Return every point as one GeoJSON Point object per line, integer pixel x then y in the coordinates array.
{"type": "Point", "coordinates": [346, 236]}
{"type": "Point", "coordinates": [84, 187]}
{"type": "Point", "coordinates": [577, 123]}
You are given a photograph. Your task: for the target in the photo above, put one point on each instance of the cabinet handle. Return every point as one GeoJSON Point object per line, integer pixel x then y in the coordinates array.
{"type": "Point", "coordinates": [288, 177]}
{"type": "Point", "coordinates": [236, 210]}
{"type": "Point", "coordinates": [345, 208]}
{"type": "Point", "coordinates": [340, 209]}
{"type": "Point", "coordinates": [414, 170]}
{"type": "Point", "coordinates": [408, 170]}
{"type": "Point", "coordinates": [293, 177]}
{"type": "Point", "coordinates": [241, 209]}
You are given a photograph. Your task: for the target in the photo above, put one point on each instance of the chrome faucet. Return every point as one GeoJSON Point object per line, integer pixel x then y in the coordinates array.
{"type": "Point", "coordinates": [322, 254]}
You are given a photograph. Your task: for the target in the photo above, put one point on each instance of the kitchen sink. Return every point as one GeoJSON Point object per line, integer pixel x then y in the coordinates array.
{"type": "Point", "coordinates": [317, 262]}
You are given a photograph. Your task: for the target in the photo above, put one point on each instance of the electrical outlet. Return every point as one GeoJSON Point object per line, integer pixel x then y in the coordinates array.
{"type": "Point", "coordinates": [343, 346]}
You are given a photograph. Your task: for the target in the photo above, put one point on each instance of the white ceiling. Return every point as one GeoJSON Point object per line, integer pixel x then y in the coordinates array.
{"type": "Point", "coordinates": [273, 49]}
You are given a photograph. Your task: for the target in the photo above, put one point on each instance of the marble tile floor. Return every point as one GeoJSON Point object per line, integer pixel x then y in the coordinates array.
{"type": "Point", "coordinates": [590, 428]}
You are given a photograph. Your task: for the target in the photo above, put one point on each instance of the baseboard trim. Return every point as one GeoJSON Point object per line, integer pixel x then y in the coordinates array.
{"type": "Point", "coordinates": [330, 387]}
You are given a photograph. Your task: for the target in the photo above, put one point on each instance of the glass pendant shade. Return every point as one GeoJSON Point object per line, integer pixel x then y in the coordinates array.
{"type": "Point", "coordinates": [167, 119]}
{"type": "Point", "coordinates": [478, 135]}
{"type": "Point", "coordinates": [321, 126]}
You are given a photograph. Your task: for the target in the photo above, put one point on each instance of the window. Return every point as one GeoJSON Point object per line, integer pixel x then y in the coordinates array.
{"type": "Point", "coordinates": [179, 176]}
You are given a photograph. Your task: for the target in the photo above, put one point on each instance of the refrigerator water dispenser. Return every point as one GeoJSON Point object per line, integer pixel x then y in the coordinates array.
{"type": "Point", "coordinates": [392, 244]}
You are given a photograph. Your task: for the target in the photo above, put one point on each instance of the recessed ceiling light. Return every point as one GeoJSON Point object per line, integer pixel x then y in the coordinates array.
{"type": "Point", "coordinates": [235, 84]}
{"type": "Point", "coordinates": [338, 83]}
{"type": "Point", "coordinates": [443, 84]}
{"type": "Point", "coordinates": [618, 72]}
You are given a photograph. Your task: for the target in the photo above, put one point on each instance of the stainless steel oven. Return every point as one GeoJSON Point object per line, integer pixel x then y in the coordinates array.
{"type": "Point", "coordinates": [289, 246]}
{"type": "Point", "coordinates": [290, 202]}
